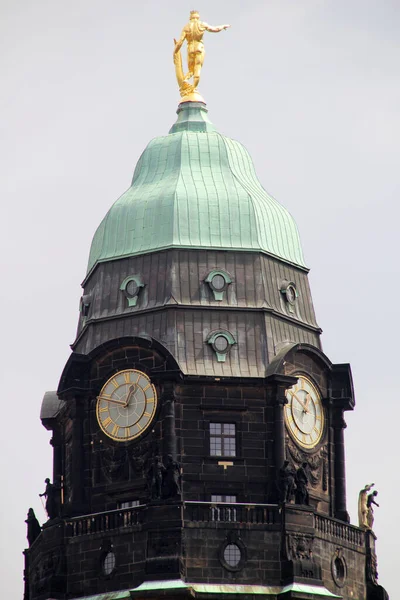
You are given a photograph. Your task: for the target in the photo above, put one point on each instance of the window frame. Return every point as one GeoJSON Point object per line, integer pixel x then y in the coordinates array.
{"type": "Point", "coordinates": [234, 539]}
{"type": "Point", "coordinates": [222, 436]}
{"type": "Point", "coordinates": [134, 503]}
{"type": "Point", "coordinates": [229, 419]}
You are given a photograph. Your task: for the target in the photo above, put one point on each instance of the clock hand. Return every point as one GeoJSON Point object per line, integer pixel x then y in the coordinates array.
{"type": "Point", "coordinates": [131, 393]}
{"type": "Point", "coordinates": [300, 402]}
{"type": "Point", "coordinates": [111, 400]}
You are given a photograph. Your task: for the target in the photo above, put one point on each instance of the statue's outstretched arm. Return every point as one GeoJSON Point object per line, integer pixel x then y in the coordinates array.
{"type": "Point", "coordinates": [214, 29]}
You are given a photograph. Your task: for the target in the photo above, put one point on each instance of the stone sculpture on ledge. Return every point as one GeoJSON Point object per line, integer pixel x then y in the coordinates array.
{"type": "Point", "coordinates": [370, 509]}
{"type": "Point", "coordinates": [33, 527]}
{"type": "Point", "coordinates": [363, 506]}
{"type": "Point", "coordinates": [286, 482]}
{"type": "Point", "coordinates": [52, 495]}
{"type": "Point", "coordinates": [302, 484]}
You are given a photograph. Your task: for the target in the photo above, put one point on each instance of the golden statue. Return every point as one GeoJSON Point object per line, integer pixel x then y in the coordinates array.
{"type": "Point", "coordinates": [193, 34]}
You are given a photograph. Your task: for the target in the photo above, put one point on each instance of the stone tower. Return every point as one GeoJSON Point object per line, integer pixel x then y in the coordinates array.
{"type": "Point", "coordinates": [197, 429]}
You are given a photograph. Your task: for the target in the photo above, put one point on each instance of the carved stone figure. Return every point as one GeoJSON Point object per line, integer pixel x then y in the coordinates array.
{"type": "Point", "coordinates": [287, 476]}
{"type": "Point", "coordinates": [370, 509]}
{"type": "Point", "coordinates": [52, 494]}
{"type": "Point", "coordinates": [317, 464]}
{"type": "Point", "coordinates": [301, 481]}
{"type": "Point", "coordinates": [193, 34]}
{"type": "Point", "coordinates": [33, 527]}
{"type": "Point", "coordinates": [114, 461]}
{"type": "Point", "coordinates": [155, 476]}
{"type": "Point", "coordinates": [141, 458]}
{"type": "Point", "coordinates": [363, 506]}
{"type": "Point", "coordinates": [172, 485]}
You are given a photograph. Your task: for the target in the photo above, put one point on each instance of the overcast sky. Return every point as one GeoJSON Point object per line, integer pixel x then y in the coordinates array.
{"type": "Point", "coordinates": [310, 87]}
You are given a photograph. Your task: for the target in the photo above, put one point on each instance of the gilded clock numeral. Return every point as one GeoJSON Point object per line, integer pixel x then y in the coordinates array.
{"type": "Point", "coordinates": [103, 409]}
{"type": "Point", "coordinates": [149, 400]}
{"type": "Point", "coordinates": [146, 387]}
{"type": "Point", "coordinates": [127, 432]}
{"type": "Point", "coordinates": [147, 414]}
{"type": "Point", "coordinates": [115, 430]}
{"type": "Point", "coordinates": [139, 426]}
{"type": "Point", "coordinates": [115, 383]}
{"type": "Point", "coordinates": [127, 377]}
{"type": "Point", "coordinates": [107, 422]}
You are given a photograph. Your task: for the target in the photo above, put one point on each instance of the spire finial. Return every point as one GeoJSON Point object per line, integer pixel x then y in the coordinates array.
{"type": "Point", "coordinates": [193, 34]}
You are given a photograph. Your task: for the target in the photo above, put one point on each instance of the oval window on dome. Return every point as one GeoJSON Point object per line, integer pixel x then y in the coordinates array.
{"type": "Point", "coordinates": [131, 287]}
{"type": "Point", "coordinates": [221, 343]}
{"type": "Point", "coordinates": [218, 281]}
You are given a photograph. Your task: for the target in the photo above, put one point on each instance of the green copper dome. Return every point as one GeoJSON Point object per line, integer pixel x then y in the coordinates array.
{"type": "Point", "coordinates": [195, 188]}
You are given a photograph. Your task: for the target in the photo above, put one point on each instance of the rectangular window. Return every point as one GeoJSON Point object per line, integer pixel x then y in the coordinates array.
{"type": "Point", "coordinates": [128, 504]}
{"type": "Point", "coordinates": [222, 498]}
{"type": "Point", "coordinates": [222, 439]}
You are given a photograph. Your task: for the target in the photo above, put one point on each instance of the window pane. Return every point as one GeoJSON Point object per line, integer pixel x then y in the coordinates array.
{"type": "Point", "coordinates": [221, 343]}
{"type": "Point", "coordinates": [215, 428]}
{"type": "Point", "coordinates": [109, 563]}
{"type": "Point", "coordinates": [216, 446]}
{"type": "Point", "coordinates": [218, 282]}
{"type": "Point", "coordinates": [216, 498]}
{"type": "Point", "coordinates": [231, 499]}
{"type": "Point", "coordinates": [229, 428]}
{"type": "Point", "coordinates": [232, 555]}
{"type": "Point", "coordinates": [222, 498]}
{"type": "Point", "coordinates": [128, 504]}
{"type": "Point", "coordinates": [229, 447]}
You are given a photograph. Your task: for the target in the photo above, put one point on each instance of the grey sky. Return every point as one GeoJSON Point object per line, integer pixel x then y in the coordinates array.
{"type": "Point", "coordinates": [311, 88]}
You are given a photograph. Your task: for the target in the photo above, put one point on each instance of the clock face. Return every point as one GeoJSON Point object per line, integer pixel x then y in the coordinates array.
{"type": "Point", "coordinates": [304, 413]}
{"type": "Point", "coordinates": [126, 405]}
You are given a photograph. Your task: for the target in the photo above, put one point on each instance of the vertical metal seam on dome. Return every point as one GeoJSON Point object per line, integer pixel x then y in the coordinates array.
{"type": "Point", "coordinates": [233, 157]}
{"type": "Point", "coordinates": [209, 210]}
{"type": "Point", "coordinates": [283, 223]}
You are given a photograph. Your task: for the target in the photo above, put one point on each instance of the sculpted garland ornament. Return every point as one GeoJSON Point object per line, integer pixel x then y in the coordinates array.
{"type": "Point", "coordinates": [126, 405]}
{"type": "Point", "coordinates": [304, 413]}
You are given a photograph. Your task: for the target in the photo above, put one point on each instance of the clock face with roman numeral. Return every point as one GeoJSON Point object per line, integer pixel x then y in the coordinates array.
{"type": "Point", "coordinates": [304, 413]}
{"type": "Point", "coordinates": [126, 405]}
